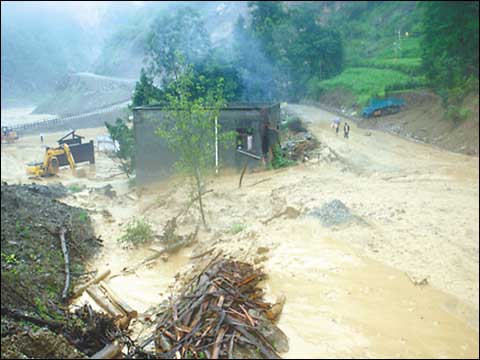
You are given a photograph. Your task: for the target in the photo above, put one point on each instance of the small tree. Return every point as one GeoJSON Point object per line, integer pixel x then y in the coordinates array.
{"type": "Point", "coordinates": [120, 132]}
{"type": "Point", "coordinates": [189, 125]}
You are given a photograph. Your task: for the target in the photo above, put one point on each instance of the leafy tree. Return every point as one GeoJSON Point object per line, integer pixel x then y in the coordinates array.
{"type": "Point", "coordinates": [298, 47]}
{"type": "Point", "coordinates": [123, 134]}
{"type": "Point", "coordinates": [189, 124]}
{"type": "Point", "coordinates": [450, 42]}
{"type": "Point", "coordinates": [266, 17]}
{"type": "Point", "coordinates": [176, 31]}
{"type": "Point", "coordinates": [145, 92]}
{"type": "Point", "coordinates": [213, 69]}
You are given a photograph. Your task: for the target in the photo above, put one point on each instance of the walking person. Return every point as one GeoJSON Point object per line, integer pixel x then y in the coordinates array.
{"type": "Point", "coordinates": [346, 130]}
{"type": "Point", "coordinates": [337, 126]}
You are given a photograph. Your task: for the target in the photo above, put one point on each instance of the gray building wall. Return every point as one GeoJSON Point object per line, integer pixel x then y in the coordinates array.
{"type": "Point", "coordinates": [154, 161]}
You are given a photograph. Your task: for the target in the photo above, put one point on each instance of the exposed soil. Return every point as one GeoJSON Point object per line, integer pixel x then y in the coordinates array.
{"type": "Point", "coordinates": [423, 120]}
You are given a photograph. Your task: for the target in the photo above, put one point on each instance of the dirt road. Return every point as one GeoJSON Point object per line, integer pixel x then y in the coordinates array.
{"type": "Point", "coordinates": [350, 289]}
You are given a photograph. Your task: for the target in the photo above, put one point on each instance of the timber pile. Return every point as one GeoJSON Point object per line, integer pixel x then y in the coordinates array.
{"type": "Point", "coordinates": [220, 314]}
{"type": "Point", "coordinates": [94, 331]}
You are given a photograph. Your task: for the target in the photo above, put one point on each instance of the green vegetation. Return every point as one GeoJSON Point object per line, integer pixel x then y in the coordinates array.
{"type": "Point", "coordinates": [82, 216]}
{"type": "Point", "coordinates": [167, 39]}
{"type": "Point", "coordinates": [10, 258]}
{"type": "Point", "coordinates": [366, 83]}
{"type": "Point", "coordinates": [450, 52]}
{"type": "Point", "coordinates": [138, 232]}
{"type": "Point", "coordinates": [450, 43]}
{"type": "Point", "coordinates": [122, 133]}
{"type": "Point", "coordinates": [74, 188]}
{"type": "Point", "coordinates": [236, 228]}
{"type": "Point", "coordinates": [297, 45]}
{"type": "Point", "coordinates": [189, 126]}
{"type": "Point", "coordinates": [409, 66]}
{"type": "Point", "coordinates": [22, 230]}
{"type": "Point", "coordinates": [279, 159]}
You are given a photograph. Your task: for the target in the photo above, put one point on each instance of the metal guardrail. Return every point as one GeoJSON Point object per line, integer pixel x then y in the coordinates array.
{"type": "Point", "coordinates": [66, 117]}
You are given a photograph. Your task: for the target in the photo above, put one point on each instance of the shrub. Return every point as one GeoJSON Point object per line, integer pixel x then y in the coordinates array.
{"type": "Point", "coordinates": [138, 232]}
{"type": "Point", "coordinates": [74, 188]}
{"type": "Point", "coordinates": [236, 228]}
{"type": "Point", "coordinates": [279, 159]}
{"type": "Point", "coordinates": [457, 114]}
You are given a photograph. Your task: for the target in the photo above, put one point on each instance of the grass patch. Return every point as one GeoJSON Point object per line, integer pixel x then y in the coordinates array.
{"type": "Point", "coordinates": [409, 66]}
{"type": "Point", "coordinates": [366, 83]}
{"type": "Point", "coordinates": [82, 216]}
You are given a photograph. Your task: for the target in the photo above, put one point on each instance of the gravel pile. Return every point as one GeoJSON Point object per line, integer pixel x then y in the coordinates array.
{"type": "Point", "coordinates": [332, 213]}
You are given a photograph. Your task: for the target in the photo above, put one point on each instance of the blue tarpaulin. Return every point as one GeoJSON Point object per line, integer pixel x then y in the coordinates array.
{"type": "Point", "coordinates": [381, 104]}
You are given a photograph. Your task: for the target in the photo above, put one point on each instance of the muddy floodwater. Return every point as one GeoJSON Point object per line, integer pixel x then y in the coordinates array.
{"type": "Point", "coordinates": [341, 304]}
{"type": "Point", "coordinates": [403, 282]}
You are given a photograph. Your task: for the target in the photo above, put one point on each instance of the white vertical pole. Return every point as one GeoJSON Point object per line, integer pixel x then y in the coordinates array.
{"type": "Point", "coordinates": [216, 145]}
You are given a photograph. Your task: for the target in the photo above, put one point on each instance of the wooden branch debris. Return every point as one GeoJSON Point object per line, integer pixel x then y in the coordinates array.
{"type": "Point", "coordinates": [260, 181]}
{"type": "Point", "coordinates": [96, 294]}
{"type": "Point", "coordinates": [291, 212]}
{"type": "Point", "coordinates": [110, 351]}
{"type": "Point", "coordinates": [219, 314]}
{"type": "Point", "coordinates": [67, 264]}
{"type": "Point", "coordinates": [116, 300]}
{"type": "Point", "coordinates": [422, 282]}
{"type": "Point", "coordinates": [241, 176]}
{"type": "Point", "coordinates": [183, 241]}
{"type": "Point", "coordinates": [96, 280]}
{"type": "Point", "coordinates": [19, 315]}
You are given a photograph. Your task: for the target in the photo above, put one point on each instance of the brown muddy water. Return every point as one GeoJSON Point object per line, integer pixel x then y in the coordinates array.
{"type": "Point", "coordinates": [342, 305]}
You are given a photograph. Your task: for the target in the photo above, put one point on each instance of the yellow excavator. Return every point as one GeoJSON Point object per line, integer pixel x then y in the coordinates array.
{"type": "Point", "coordinates": [50, 164]}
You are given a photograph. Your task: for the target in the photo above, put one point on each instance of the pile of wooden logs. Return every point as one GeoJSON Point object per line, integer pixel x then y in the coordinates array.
{"type": "Point", "coordinates": [220, 314]}
{"type": "Point", "coordinates": [106, 298]}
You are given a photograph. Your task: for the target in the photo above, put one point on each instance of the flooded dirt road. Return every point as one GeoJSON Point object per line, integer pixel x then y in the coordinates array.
{"type": "Point", "coordinates": [351, 289]}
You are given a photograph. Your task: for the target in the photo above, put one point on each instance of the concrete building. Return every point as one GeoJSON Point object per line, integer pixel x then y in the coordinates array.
{"type": "Point", "coordinates": [154, 161]}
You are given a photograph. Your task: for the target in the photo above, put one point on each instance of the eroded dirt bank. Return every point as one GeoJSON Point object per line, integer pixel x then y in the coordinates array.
{"type": "Point", "coordinates": [350, 287]}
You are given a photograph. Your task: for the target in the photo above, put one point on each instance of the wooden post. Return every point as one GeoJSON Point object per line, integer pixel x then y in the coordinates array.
{"type": "Point", "coordinates": [67, 264]}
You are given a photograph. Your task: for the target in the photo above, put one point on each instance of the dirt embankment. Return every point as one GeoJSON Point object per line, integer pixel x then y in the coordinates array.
{"type": "Point", "coordinates": [33, 267]}
{"type": "Point", "coordinates": [423, 120]}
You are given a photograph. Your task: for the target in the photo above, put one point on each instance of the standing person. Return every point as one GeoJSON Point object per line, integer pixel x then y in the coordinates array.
{"type": "Point", "coordinates": [346, 130]}
{"type": "Point", "coordinates": [41, 138]}
{"type": "Point", "coordinates": [337, 126]}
